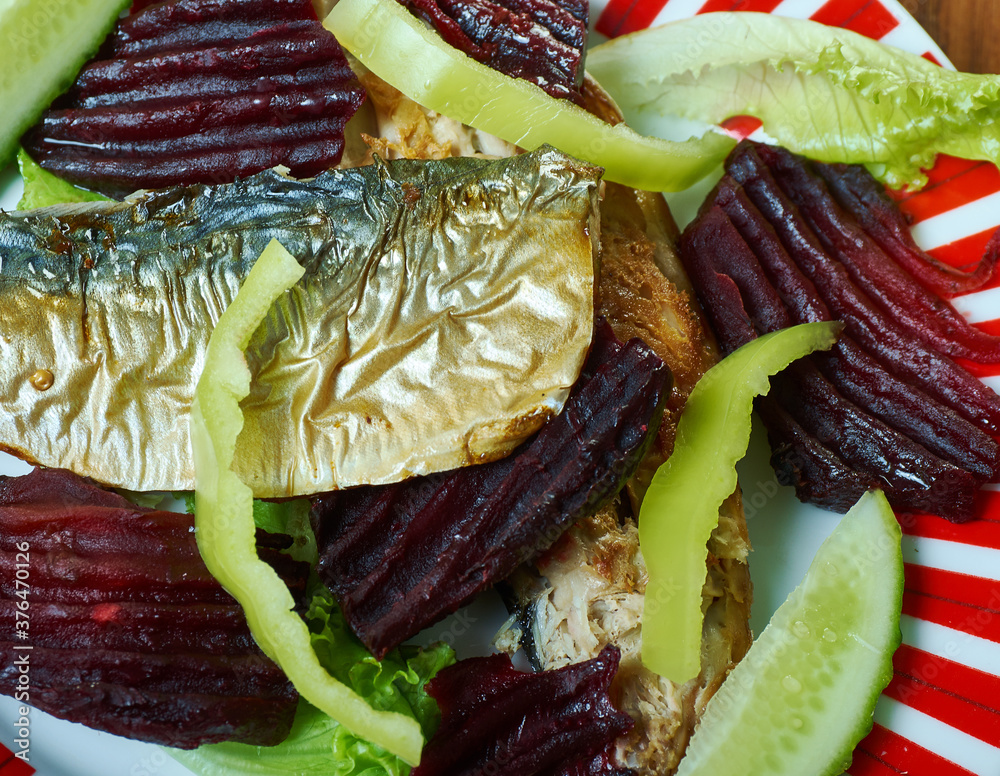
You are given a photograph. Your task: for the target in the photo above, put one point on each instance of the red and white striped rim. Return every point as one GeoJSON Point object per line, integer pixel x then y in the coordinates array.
{"type": "Point", "coordinates": [940, 715]}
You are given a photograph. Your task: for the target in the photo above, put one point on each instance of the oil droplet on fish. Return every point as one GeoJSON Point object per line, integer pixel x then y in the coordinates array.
{"type": "Point", "coordinates": [829, 635]}
{"type": "Point", "coordinates": [791, 684]}
{"type": "Point", "coordinates": [41, 380]}
{"type": "Point", "coordinates": [801, 630]}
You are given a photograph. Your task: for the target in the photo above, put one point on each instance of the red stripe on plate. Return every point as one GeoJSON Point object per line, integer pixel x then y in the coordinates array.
{"type": "Point", "coordinates": [741, 127]}
{"type": "Point", "coordinates": [13, 766]}
{"type": "Point", "coordinates": [760, 6]}
{"type": "Point", "coordinates": [865, 764]}
{"type": "Point", "coordinates": [976, 621]}
{"type": "Point", "coordinates": [929, 56]}
{"type": "Point", "coordinates": [983, 370]}
{"type": "Point", "coordinates": [973, 181]}
{"type": "Point", "coordinates": [865, 17]}
{"type": "Point", "coordinates": [907, 757]}
{"type": "Point", "coordinates": [961, 588]}
{"type": "Point", "coordinates": [990, 327]}
{"type": "Point", "coordinates": [978, 721]}
{"type": "Point", "coordinates": [965, 252]}
{"type": "Point", "coordinates": [982, 533]}
{"type": "Point", "coordinates": [621, 17]}
{"type": "Point", "coordinates": [948, 675]}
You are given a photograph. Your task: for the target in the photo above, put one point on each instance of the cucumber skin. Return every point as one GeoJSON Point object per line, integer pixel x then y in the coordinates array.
{"type": "Point", "coordinates": [752, 697]}
{"type": "Point", "coordinates": [43, 45]}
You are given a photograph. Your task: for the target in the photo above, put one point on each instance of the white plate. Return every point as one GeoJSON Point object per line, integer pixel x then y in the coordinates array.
{"type": "Point", "coordinates": [785, 533]}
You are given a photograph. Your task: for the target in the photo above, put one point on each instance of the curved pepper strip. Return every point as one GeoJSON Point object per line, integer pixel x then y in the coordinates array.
{"type": "Point", "coordinates": [681, 507]}
{"type": "Point", "coordinates": [402, 51]}
{"type": "Point", "coordinates": [224, 516]}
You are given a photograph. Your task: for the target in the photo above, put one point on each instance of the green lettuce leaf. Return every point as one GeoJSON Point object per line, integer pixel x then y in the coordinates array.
{"type": "Point", "coordinates": [318, 744]}
{"type": "Point", "coordinates": [824, 92]}
{"type": "Point", "coordinates": [42, 188]}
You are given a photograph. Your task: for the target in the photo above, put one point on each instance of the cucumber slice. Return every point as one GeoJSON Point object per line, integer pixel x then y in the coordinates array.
{"type": "Point", "coordinates": [805, 693]}
{"type": "Point", "coordinates": [44, 44]}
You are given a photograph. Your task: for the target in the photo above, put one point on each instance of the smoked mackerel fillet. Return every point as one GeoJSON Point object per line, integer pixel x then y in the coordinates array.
{"type": "Point", "coordinates": [484, 270]}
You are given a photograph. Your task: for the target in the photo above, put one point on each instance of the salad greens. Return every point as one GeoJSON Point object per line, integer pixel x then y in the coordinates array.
{"type": "Point", "coordinates": [681, 507]}
{"type": "Point", "coordinates": [318, 744]}
{"type": "Point", "coordinates": [225, 526]}
{"type": "Point", "coordinates": [824, 92]}
{"type": "Point", "coordinates": [42, 188]}
{"type": "Point", "coordinates": [388, 40]}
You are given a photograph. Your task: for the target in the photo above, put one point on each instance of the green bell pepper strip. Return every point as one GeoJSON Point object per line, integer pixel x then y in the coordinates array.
{"type": "Point", "coordinates": [402, 51]}
{"type": "Point", "coordinates": [681, 507]}
{"type": "Point", "coordinates": [224, 516]}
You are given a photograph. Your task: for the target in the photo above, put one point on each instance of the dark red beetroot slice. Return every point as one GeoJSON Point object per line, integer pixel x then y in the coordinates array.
{"type": "Point", "coordinates": [921, 313]}
{"type": "Point", "coordinates": [400, 557]}
{"type": "Point", "coordinates": [150, 647]}
{"type": "Point", "coordinates": [287, 84]}
{"type": "Point", "coordinates": [866, 200]}
{"type": "Point", "coordinates": [862, 381]}
{"type": "Point", "coordinates": [183, 25]}
{"type": "Point", "coordinates": [803, 462]}
{"type": "Point", "coordinates": [498, 720]}
{"type": "Point", "coordinates": [948, 384]}
{"type": "Point", "coordinates": [913, 478]}
{"type": "Point", "coordinates": [542, 41]}
{"type": "Point", "coordinates": [905, 355]}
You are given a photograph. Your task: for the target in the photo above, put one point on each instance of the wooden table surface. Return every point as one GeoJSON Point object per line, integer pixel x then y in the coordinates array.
{"type": "Point", "coordinates": [967, 30]}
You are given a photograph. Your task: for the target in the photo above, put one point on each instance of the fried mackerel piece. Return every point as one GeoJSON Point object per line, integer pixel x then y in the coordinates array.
{"type": "Point", "coordinates": [122, 627]}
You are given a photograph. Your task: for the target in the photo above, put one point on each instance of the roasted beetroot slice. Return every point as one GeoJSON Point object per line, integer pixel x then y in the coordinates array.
{"type": "Point", "coordinates": [857, 192]}
{"type": "Point", "coordinates": [903, 354]}
{"type": "Point", "coordinates": [123, 627]}
{"type": "Point", "coordinates": [839, 422]}
{"type": "Point", "coordinates": [714, 245]}
{"type": "Point", "coordinates": [400, 557]}
{"type": "Point", "coordinates": [920, 312]}
{"type": "Point", "coordinates": [542, 41]}
{"type": "Point", "coordinates": [202, 91]}
{"type": "Point", "coordinates": [550, 723]}
{"type": "Point", "coordinates": [804, 463]}
{"type": "Point", "coordinates": [913, 478]}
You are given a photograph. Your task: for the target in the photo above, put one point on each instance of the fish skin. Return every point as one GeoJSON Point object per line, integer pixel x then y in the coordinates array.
{"type": "Point", "coordinates": [116, 301]}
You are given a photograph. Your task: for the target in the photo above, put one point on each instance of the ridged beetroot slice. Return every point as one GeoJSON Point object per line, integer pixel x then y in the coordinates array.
{"type": "Point", "coordinates": [128, 633]}
{"type": "Point", "coordinates": [551, 723]}
{"type": "Point", "coordinates": [908, 356]}
{"type": "Point", "coordinates": [839, 437]}
{"type": "Point", "coordinates": [119, 176]}
{"type": "Point", "coordinates": [138, 627]}
{"type": "Point", "coordinates": [858, 377]}
{"type": "Point", "coordinates": [918, 311]}
{"type": "Point", "coordinates": [857, 192]}
{"type": "Point", "coordinates": [542, 41]}
{"type": "Point", "coordinates": [184, 25]}
{"type": "Point", "coordinates": [400, 557]}
{"type": "Point", "coordinates": [913, 478]}
{"type": "Point", "coordinates": [805, 305]}
{"type": "Point", "coordinates": [273, 53]}
{"type": "Point", "coordinates": [803, 462]}
{"type": "Point", "coordinates": [202, 91]}
{"type": "Point", "coordinates": [944, 432]}
{"type": "Point", "coordinates": [106, 127]}
{"type": "Point", "coordinates": [707, 243]}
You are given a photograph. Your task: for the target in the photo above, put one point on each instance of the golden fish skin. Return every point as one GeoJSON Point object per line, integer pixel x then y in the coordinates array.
{"type": "Point", "coordinates": [445, 312]}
